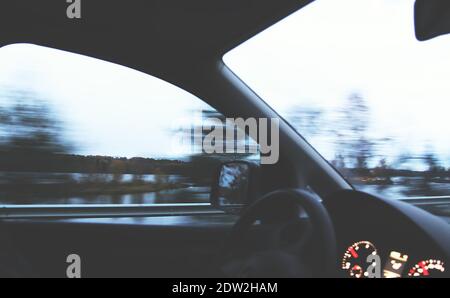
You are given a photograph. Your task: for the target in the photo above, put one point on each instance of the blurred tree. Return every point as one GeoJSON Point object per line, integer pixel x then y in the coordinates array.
{"type": "Point", "coordinates": [30, 136]}
{"type": "Point", "coordinates": [433, 163]}
{"type": "Point", "coordinates": [352, 140]}
{"type": "Point", "coordinates": [28, 126]}
{"type": "Point", "coordinates": [308, 121]}
{"type": "Point", "coordinates": [338, 162]}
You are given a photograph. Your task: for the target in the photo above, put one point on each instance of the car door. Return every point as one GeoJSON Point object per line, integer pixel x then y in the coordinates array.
{"type": "Point", "coordinates": [101, 166]}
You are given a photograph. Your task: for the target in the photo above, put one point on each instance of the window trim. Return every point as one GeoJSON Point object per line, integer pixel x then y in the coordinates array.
{"type": "Point", "coordinates": [105, 210]}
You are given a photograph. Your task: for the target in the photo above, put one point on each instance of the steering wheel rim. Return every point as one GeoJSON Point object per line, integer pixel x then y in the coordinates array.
{"type": "Point", "coordinates": [323, 230]}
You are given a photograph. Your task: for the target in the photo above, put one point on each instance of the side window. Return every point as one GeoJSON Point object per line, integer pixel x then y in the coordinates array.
{"type": "Point", "coordinates": [77, 130]}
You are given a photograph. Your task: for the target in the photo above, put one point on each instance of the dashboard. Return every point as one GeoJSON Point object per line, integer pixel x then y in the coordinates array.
{"type": "Point", "coordinates": [380, 238]}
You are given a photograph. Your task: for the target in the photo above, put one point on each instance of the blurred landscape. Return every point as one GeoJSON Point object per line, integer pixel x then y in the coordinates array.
{"type": "Point", "coordinates": [38, 166]}
{"type": "Point", "coordinates": [367, 161]}
{"type": "Point", "coordinates": [37, 163]}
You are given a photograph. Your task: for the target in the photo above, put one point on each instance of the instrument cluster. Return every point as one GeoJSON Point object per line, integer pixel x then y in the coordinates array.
{"type": "Point", "coordinates": [363, 260]}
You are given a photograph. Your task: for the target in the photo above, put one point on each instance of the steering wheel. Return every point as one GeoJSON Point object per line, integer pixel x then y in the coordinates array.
{"type": "Point", "coordinates": [288, 249]}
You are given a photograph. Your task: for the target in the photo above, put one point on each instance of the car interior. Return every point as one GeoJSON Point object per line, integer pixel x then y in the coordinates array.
{"type": "Point", "coordinates": [298, 217]}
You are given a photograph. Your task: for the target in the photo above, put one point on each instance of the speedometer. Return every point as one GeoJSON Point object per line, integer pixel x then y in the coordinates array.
{"type": "Point", "coordinates": [427, 268]}
{"type": "Point", "coordinates": [355, 258]}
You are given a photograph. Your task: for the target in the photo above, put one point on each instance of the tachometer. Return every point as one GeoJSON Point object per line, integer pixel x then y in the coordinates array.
{"type": "Point", "coordinates": [427, 268]}
{"type": "Point", "coordinates": [355, 258]}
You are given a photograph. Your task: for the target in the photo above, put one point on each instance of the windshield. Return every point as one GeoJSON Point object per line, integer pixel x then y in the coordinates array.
{"type": "Point", "coordinates": [351, 77]}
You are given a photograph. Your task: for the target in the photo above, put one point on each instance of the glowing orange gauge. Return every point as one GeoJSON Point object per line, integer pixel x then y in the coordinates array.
{"type": "Point", "coordinates": [427, 268]}
{"type": "Point", "coordinates": [355, 258]}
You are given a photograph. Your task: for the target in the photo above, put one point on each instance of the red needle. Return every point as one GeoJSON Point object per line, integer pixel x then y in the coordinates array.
{"type": "Point", "coordinates": [353, 252]}
{"type": "Point", "coordinates": [425, 271]}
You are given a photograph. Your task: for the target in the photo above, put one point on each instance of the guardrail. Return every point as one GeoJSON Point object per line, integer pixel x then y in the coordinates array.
{"type": "Point", "coordinates": [135, 210]}
{"type": "Point", "coordinates": [122, 210]}
{"type": "Point", "coordinates": [432, 200]}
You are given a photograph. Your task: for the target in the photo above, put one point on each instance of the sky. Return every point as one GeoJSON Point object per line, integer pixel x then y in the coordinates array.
{"type": "Point", "coordinates": [315, 57]}
{"type": "Point", "coordinates": [106, 109]}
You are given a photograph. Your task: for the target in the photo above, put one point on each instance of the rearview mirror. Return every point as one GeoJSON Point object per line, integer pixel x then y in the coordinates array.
{"type": "Point", "coordinates": [234, 186]}
{"type": "Point", "coordinates": [431, 18]}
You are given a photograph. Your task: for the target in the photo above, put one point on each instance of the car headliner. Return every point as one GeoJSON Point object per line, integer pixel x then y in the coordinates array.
{"type": "Point", "coordinates": [165, 38]}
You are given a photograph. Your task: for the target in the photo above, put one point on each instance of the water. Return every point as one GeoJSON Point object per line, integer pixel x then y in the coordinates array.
{"type": "Point", "coordinates": [186, 195]}
{"type": "Point", "coordinates": [190, 192]}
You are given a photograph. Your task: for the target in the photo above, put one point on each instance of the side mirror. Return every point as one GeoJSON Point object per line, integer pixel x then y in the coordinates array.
{"type": "Point", "coordinates": [431, 18]}
{"type": "Point", "coordinates": [235, 186]}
